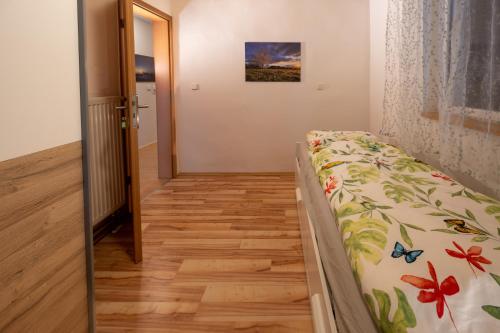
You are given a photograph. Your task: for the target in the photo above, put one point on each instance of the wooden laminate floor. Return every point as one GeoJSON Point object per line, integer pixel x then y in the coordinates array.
{"type": "Point", "coordinates": [221, 254]}
{"type": "Point", "coordinates": [148, 161]}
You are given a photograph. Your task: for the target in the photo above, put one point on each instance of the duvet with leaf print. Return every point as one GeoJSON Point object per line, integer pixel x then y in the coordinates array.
{"type": "Point", "coordinates": [424, 249]}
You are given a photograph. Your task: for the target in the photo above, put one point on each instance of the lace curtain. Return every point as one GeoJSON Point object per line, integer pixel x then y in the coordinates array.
{"type": "Point", "coordinates": [442, 90]}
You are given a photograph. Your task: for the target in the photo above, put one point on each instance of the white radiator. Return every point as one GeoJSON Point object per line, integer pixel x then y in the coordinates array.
{"type": "Point", "coordinates": [107, 169]}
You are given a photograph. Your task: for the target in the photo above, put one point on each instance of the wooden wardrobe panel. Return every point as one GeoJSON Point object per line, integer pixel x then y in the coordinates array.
{"type": "Point", "coordinates": [42, 250]}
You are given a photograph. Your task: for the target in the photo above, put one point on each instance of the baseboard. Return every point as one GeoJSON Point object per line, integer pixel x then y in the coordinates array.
{"type": "Point", "coordinates": [148, 144]}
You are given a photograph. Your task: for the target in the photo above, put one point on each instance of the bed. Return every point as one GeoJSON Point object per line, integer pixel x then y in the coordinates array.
{"type": "Point", "coordinates": [390, 243]}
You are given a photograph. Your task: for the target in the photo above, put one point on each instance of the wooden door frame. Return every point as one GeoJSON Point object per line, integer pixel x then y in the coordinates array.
{"type": "Point", "coordinates": [89, 250]}
{"type": "Point", "coordinates": [155, 11]}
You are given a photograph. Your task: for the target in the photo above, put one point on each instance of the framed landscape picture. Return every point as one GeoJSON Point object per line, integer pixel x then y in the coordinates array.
{"type": "Point", "coordinates": [144, 68]}
{"type": "Point", "coordinates": [272, 62]}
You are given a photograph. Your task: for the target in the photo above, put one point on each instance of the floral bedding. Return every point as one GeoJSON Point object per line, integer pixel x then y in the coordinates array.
{"type": "Point", "coordinates": [424, 249]}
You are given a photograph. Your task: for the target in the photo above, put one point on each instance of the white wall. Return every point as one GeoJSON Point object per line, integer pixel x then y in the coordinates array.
{"type": "Point", "coordinates": [233, 126]}
{"type": "Point", "coordinates": [378, 20]}
{"type": "Point", "coordinates": [163, 5]}
{"type": "Point", "coordinates": [143, 36]}
{"type": "Point", "coordinates": [143, 39]}
{"type": "Point", "coordinates": [148, 127]}
{"type": "Point", "coordinates": [39, 85]}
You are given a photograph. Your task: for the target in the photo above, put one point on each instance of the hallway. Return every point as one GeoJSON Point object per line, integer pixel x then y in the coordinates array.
{"type": "Point", "coordinates": [148, 160]}
{"type": "Point", "coordinates": [222, 253]}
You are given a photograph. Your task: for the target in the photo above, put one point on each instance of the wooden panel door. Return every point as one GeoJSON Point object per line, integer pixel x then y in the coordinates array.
{"type": "Point", "coordinates": [129, 91]}
{"type": "Point", "coordinates": [108, 193]}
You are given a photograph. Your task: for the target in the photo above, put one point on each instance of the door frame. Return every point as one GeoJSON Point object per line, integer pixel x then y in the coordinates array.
{"type": "Point", "coordinates": [155, 11]}
{"type": "Point", "coordinates": [88, 227]}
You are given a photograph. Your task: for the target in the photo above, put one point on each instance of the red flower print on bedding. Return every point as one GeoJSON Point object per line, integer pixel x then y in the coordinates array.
{"type": "Point", "coordinates": [473, 257]}
{"type": "Point", "coordinates": [433, 291]}
{"type": "Point", "coordinates": [331, 184]}
{"type": "Point", "coordinates": [316, 143]}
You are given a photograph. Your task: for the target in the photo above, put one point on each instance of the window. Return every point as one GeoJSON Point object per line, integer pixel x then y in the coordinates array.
{"type": "Point", "coordinates": [483, 65]}
{"type": "Point", "coordinates": [476, 86]}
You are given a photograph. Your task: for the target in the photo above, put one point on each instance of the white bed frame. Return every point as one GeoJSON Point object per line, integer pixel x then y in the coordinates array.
{"type": "Point", "coordinates": [321, 305]}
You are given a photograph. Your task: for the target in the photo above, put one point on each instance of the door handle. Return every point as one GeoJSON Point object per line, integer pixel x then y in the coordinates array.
{"type": "Point", "coordinates": [123, 119]}
{"type": "Point", "coordinates": [136, 116]}
{"type": "Point", "coordinates": [136, 119]}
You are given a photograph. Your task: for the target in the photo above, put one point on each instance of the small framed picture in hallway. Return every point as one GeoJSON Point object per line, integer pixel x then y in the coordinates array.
{"type": "Point", "coordinates": [144, 68]}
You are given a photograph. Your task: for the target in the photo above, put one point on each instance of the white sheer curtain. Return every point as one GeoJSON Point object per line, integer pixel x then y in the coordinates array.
{"type": "Point", "coordinates": [442, 92]}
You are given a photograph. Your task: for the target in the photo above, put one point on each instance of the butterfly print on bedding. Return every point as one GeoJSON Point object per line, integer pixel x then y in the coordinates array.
{"type": "Point", "coordinates": [410, 256]}
{"type": "Point", "coordinates": [462, 227]}
{"type": "Point", "coordinates": [332, 164]}
{"type": "Point", "coordinates": [442, 176]}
